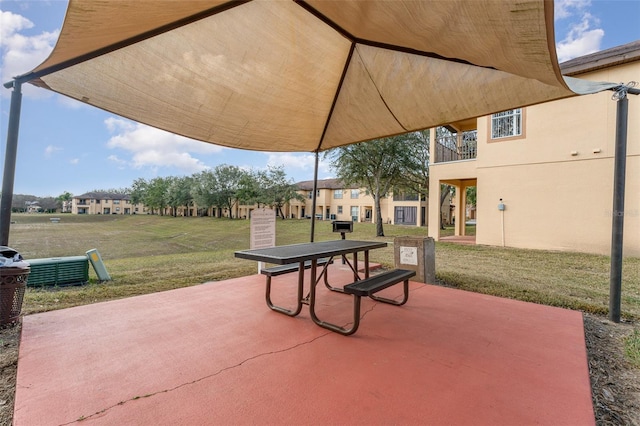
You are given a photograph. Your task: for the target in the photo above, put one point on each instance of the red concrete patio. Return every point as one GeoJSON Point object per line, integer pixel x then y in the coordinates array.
{"type": "Point", "coordinates": [214, 354]}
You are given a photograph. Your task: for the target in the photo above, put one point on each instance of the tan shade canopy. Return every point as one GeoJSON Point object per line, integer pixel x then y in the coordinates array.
{"type": "Point", "coordinates": [308, 75]}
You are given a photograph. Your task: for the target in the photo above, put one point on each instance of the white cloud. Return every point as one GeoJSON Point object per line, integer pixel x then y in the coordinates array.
{"type": "Point", "coordinates": [21, 53]}
{"type": "Point", "coordinates": [299, 164]}
{"type": "Point", "coordinates": [582, 35]}
{"type": "Point", "coordinates": [151, 147]}
{"type": "Point", "coordinates": [566, 8]}
{"type": "Point", "coordinates": [74, 161]}
{"type": "Point", "coordinates": [51, 149]}
{"type": "Point", "coordinates": [70, 103]}
{"type": "Point", "coordinates": [10, 23]}
{"type": "Point", "coordinates": [587, 42]}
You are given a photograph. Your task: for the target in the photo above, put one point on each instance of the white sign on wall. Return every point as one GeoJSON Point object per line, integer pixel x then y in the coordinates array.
{"type": "Point", "coordinates": [263, 228]}
{"type": "Point", "coordinates": [409, 256]}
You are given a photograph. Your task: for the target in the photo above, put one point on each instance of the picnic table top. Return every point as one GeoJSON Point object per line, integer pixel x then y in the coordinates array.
{"type": "Point", "coordinates": [306, 251]}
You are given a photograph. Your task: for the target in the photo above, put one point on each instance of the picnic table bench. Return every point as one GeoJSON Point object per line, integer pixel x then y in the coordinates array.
{"type": "Point", "coordinates": [373, 284]}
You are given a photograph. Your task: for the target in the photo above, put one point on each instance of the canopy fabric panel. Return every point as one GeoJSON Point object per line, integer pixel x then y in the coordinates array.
{"type": "Point", "coordinates": [304, 75]}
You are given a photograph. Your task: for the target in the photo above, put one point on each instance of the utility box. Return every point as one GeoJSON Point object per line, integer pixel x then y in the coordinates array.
{"type": "Point", "coordinates": [98, 265]}
{"type": "Point", "coordinates": [416, 254]}
{"type": "Point", "coordinates": [58, 271]}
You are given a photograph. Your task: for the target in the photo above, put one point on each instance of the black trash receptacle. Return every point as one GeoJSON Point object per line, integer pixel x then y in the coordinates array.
{"type": "Point", "coordinates": [14, 273]}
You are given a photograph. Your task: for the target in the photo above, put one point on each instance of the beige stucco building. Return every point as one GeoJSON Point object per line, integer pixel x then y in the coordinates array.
{"type": "Point", "coordinates": [105, 203]}
{"type": "Point", "coordinates": [544, 173]}
{"type": "Point", "coordinates": [336, 201]}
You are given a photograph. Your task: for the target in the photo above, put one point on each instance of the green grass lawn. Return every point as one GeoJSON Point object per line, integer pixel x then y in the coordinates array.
{"type": "Point", "coordinates": [145, 254]}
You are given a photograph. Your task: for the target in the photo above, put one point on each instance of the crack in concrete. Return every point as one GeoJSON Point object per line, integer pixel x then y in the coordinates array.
{"type": "Point", "coordinates": [222, 370]}
{"type": "Point", "coordinates": [98, 413]}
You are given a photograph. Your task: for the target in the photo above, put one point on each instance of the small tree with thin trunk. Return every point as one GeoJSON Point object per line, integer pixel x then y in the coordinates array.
{"type": "Point", "coordinates": [376, 165]}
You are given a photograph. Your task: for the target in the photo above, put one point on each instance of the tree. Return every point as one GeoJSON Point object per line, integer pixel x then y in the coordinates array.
{"type": "Point", "coordinates": [139, 190]}
{"type": "Point", "coordinates": [377, 165]}
{"type": "Point", "coordinates": [276, 190]}
{"type": "Point", "coordinates": [220, 187]}
{"type": "Point", "coordinates": [471, 195]}
{"type": "Point", "coordinates": [204, 186]}
{"type": "Point", "coordinates": [415, 177]}
{"type": "Point", "coordinates": [249, 190]}
{"type": "Point", "coordinates": [64, 199]}
{"type": "Point", "coordinates": [20, 202]}
{"type": "Point", "coordinates": [228, 180]}
{"type": "Point", "coordinates": [156, 194]}
{"type": "Point", "coordinates": [178, 193]}
{"type": "Point", "coordinates": [121, 191]}
{"type": "Point", "coordinates": [49, 204]}
{"type": "Point", "coordinates": [446, 191]}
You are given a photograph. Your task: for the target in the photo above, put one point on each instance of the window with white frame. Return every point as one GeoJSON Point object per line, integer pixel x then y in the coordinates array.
{"type": "Point", "coordinates": [337, 193]}
{"type": "Point", "coordinates": [355, 193]}
{"type": "Point", "coordinates": [506, 124]}
{"type": "Point", "coordinates": [339, 209]}
{"type": "Point", "coordinates": [355, 212]}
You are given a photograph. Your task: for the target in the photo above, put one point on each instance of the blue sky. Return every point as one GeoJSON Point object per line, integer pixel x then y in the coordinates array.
{"type": "Point", "coordinates": [65, 145]}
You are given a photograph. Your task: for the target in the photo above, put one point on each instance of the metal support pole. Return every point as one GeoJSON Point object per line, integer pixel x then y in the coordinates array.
{"type": "Point", "coordinates": [615, 277]}
{"type": "Point", "coordinates": [10, 162]}
{"type": "Point", "coordinates": [313, 202]}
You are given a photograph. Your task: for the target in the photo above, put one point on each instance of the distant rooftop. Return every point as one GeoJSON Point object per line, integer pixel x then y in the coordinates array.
{"type": "Point", "coordinates": [307, 185]}
{"type": "Point", "coordinates": [618, 55]}
{"type": "Point", "coordinates": [104, 196]}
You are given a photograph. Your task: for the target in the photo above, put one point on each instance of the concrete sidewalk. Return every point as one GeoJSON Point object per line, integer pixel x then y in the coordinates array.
{"type": "Point", "coordinates": [214, 354]}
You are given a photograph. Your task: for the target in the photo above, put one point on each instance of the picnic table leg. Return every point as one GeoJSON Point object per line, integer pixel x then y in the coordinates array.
{"type": "Point", "coordinates": [366, 264]}
{"type": "Point", "coordinates": [325, 324]}
{"type": "Point", "coordinates": [325, 274]}
{"type": "Point", "coordinates": [356, 276]}
{"type": "Point", "coordinates": [280, 309]}
{"type": "Point", "coordinates": [391, 301]}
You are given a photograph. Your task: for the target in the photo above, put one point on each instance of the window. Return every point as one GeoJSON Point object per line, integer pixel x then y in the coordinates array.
{"type": "Point", "coordinates": [355, 213]}
{"type": "Point", "coordinates": [405, 215]}
{"type": "Point", "coordinates": [506, 124]}
{"type": "Point", "coordinates": [339, 209]}
{"type": "Point", "coordinates": [355, 193]}
{"type": "Point", "coordinates": [337, 193]}
{"type": "Point", "coordinates": [116, 201]}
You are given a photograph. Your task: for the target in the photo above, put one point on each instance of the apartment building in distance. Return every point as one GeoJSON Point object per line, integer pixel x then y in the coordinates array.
{"type": "Point", "coordinates": [105, 203]}
{"type": "Point", "coordinates": [337, 201]}
{"type": "Point", "coordinates": [544, 173]}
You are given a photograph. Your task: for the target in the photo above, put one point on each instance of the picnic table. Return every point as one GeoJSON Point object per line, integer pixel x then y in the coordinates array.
{"type": "Point", "coordinates": [298, 257]}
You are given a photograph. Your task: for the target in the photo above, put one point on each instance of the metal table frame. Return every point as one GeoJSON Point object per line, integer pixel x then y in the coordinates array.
{"type": "Point", "coordinates": [300, 253]}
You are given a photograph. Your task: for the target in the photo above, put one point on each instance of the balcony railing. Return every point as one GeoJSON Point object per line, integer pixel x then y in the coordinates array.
{"type": "Point", "coordinates": [458, 147]}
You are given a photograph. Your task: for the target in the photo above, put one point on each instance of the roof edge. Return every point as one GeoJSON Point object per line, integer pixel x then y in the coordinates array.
{"type": "Point", "coordinates": [618, 55]}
